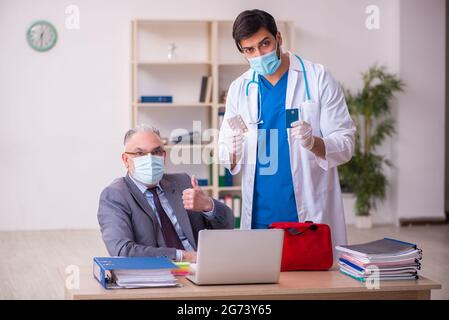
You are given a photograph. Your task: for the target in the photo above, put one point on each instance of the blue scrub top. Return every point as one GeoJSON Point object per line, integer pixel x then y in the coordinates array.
{"type": "Point", "coordinates": [274, 196]}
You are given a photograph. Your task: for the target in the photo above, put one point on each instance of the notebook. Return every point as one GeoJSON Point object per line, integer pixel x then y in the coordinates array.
{"type": "Point", "coordinates": [385, 247]}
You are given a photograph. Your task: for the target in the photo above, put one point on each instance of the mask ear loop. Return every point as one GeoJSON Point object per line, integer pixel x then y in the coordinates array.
{"type": "Point", "coordinates": [278, 47]}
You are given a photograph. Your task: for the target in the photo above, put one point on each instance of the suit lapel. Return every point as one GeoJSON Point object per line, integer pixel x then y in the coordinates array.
{"type": "Point", "coordinates": [140, 199]}
{"type": "Point", "coordinates": [174, 197]}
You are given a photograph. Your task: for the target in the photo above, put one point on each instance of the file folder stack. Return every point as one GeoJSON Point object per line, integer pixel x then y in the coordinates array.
{"type": "Point", "coordinates": [385, 259]}
{"type": "Point", "coordinates": [134, 272]}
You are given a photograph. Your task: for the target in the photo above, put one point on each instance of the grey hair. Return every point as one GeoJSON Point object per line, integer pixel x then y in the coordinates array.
{"type": "Point", "coordinates": [140, 128]}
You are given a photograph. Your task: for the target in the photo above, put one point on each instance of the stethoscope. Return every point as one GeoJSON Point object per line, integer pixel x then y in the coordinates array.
{"type": "Point", "coordinates": [259, 102]}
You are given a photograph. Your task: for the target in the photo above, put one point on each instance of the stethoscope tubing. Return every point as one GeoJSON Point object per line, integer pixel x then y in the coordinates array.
{"type": "Point", "coordinates": [259, 102]}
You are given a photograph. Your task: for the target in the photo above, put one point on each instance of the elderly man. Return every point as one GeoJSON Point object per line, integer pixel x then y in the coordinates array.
{"type": "Point", "coordinates": [150, 213]}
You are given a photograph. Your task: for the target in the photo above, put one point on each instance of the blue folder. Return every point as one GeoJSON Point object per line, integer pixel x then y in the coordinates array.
{"type": "Point", "coordinates": [103, 266]}
{"type": "Point", "coordinates": [156, 99]}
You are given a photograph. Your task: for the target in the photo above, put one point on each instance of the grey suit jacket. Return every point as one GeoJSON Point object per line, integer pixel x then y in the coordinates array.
{"type": "Point", "coordinates": [129, 225]}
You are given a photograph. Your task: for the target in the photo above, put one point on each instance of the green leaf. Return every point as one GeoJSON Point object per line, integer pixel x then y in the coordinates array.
{"type": "Point", "coordinates": [370, 109]}
{"type": "Point", "coordinates": [384, 129]}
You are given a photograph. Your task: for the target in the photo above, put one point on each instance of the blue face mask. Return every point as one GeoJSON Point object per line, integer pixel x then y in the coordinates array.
{"type": "Point", "coordinates": [148, 169]}
{"type": "Point", "coordinates": [266, 64]}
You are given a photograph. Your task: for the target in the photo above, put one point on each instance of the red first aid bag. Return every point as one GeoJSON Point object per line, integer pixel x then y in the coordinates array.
{"type": "Point", "coordinates": [307, 246]}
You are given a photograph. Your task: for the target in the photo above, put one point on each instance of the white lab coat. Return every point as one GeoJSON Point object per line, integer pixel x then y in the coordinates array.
{"type": "Point", "coordinates": [315, 180]}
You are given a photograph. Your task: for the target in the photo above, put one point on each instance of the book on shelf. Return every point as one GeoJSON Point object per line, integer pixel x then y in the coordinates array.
{"type": "Point", "coordinates": [237, 209]}
{"type": "Point", "coordinates": [203, 89]}
{"type": "Point", "coordinates": [192, 137]}
{"type": "Point", "coordinates": [224, 177]}
{"type": "Point", "coordinates": [206, 89]}
{"type": "Point", "coordinates": [220, 118]}
{"type": "Point", "coordinates": [235, 204]}
{"type": "Point", "coordinates": [209, 90]}
{"type": "Point", "coordinates": [211, 169]}
{"type": "Point", "coordinates": [203, 182]}
{"type": "Point", "coordinates": [156, 99]}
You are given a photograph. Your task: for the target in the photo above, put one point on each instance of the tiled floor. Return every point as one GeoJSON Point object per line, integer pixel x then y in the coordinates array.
{"type": "Point", "coordinates": [30, 260]}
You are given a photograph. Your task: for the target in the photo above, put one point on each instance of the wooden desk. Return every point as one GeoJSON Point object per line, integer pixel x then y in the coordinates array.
{"type": "Point", "coordinates": [292, 285]}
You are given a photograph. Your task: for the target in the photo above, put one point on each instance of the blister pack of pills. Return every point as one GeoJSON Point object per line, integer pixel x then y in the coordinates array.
{"type": "Point", "coordinates": [237, 123]}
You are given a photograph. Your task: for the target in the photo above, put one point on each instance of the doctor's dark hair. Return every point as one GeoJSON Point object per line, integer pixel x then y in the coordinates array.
{"type": "Point", "coordinates": [249, 22]}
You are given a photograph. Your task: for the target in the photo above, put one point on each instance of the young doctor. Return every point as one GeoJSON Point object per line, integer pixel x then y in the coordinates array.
{"type": "Point", "coordinates": [289, 169]}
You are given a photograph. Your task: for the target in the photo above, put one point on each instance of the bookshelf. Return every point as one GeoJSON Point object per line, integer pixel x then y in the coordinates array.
{"type": "Point", "coordinates": [169, 58]}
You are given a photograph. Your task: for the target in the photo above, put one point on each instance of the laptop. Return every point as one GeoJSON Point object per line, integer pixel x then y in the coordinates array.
{"type": "Point", "coordinates": [238, 256]}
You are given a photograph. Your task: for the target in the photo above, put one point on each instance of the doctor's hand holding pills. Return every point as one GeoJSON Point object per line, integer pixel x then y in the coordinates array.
{"type": "Point", "coordinates": [234, 143]}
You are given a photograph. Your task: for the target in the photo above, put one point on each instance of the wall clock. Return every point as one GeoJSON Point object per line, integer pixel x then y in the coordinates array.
{"type": "Point", "coordinates": [42, 36]}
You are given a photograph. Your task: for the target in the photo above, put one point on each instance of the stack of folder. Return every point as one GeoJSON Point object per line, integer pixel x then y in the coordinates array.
{"type": "Point", "coordinates": [134, 272]}
{"type": "Point", "coordinates": [385, 259]}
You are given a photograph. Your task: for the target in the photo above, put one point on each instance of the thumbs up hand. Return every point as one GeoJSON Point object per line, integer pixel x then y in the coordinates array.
{"type": "Point", "coordinates": [195, 199]}
{"type": "Point", "coordinates": [194, 182]}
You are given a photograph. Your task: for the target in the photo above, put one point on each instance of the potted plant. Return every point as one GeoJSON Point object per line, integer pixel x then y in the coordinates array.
{"type": "Point", "coordinates": [370, 109]}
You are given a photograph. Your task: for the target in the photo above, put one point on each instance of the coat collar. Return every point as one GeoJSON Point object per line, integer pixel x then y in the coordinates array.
{"type": "Point", "coordinates": [140, 198]}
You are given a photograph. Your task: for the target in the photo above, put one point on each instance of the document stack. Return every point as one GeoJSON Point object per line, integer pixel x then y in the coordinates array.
{"type": "Point", "coordinates": [134, 272]}
{"type": "Point", "coordinates": [385, 259]}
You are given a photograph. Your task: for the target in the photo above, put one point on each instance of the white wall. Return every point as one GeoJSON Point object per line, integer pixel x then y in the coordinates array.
{"type": "Point", "coordinates": [63, 113]}
{"type": "Point", "coordinates": [421, 117]}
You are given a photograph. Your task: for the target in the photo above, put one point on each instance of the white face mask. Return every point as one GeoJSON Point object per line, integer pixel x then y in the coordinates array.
{"type": "Point", "coordinates": [148, 169]}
